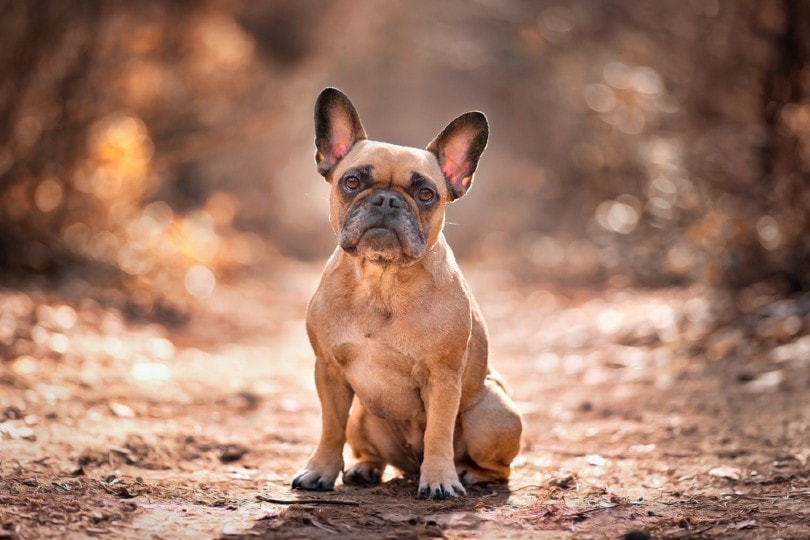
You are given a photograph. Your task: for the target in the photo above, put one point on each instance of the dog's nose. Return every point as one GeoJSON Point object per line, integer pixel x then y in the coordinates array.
{"type": "Point", "coordinates": [387, 199]}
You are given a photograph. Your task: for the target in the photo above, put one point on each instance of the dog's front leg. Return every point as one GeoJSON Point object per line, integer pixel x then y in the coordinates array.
{"type": "Point", "coordinates": [438, 478]}
{"type": "Point", "coordinates": [336, 400]}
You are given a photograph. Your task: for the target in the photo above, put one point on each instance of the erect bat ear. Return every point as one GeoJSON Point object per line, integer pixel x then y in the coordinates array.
{"type": "Point", "coordinates": [337, 128]}
{"type": "Point", "coordinates": [458, 148]}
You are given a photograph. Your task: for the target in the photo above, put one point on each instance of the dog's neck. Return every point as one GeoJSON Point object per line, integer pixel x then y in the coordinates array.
{"type": "Point", "coordinates": [381, 285]}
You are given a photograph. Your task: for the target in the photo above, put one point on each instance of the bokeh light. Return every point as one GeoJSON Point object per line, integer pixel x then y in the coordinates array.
{"type": "Point", "coordinates": [182, 155]}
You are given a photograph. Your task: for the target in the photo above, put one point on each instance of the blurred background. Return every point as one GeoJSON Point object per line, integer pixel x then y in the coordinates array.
{"type": "Point", "coordinates": [155, 149]}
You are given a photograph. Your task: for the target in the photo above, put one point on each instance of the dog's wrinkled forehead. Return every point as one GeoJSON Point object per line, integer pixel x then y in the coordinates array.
{"type": "Point", "coordinates": [392, 164]}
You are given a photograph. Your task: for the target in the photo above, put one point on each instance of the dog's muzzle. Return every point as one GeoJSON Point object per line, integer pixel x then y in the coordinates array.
{"type": "Point", "coordinates": [382, 227]}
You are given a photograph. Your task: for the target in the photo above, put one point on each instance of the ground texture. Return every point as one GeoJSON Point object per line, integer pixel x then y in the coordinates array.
{"type": "Point", "coordinates": [648, 413]}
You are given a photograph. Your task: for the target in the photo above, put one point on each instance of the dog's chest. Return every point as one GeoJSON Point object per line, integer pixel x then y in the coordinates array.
{"type": "Point", "coordinates": [384, 378]}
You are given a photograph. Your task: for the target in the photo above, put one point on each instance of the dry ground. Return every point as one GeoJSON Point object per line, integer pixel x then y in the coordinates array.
{"type": "Point", "coordinates": [664, 414]}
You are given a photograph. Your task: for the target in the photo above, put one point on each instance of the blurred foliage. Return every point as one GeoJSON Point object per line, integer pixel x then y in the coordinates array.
{"type": "Point", "coordinates": [106, 110]}
{"type": "Point", "coordinates": [163, 145]}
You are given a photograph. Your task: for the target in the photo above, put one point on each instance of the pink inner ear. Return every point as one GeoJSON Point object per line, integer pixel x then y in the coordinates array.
{"type": "Point", "coordinates": [451, 169]}
{"type": "Point", "coordinates": [454, 162]}
{"type": "Point", "coordinates": [341, 137]}
{"type": "Point", "coordinates": [339, 150]}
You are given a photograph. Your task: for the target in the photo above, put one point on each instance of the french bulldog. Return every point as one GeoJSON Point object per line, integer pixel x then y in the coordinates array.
{"type": "Point", "coordinates": [401, 364]}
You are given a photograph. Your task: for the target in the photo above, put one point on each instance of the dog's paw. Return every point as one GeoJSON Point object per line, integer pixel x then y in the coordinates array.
{"type": "Point", "coordinates": [440, 484]}
{"type": "Point", "coordinates": [363, 473]}
{"type": "Point", "coordinates": [313, 480]}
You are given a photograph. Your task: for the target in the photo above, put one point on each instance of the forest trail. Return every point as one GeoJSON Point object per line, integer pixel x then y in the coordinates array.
{"type": "Point", "coordinates": [651, 411]}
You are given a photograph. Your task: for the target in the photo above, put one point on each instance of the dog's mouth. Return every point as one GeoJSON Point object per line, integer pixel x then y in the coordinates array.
{"type": "Point", "coordinates": [382, 244]}
{"type": "Point", "coordinates": [380, 235]}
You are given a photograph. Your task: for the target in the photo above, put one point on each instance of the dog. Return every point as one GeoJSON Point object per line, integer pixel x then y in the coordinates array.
{"type": "Point", "coordinates": [401, 348]}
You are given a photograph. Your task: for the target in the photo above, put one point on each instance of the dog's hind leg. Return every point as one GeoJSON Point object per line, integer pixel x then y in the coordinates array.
{"type": "Point", "coordinates": [376, 442]}
{"type": "Point", "coordinates": [489, 438]}
{"type": "Point", "coordinates": [370, 465]}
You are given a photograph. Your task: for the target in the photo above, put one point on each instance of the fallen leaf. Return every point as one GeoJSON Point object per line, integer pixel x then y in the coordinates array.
{"type": "Point", "coordinates": [732, 473]}
{"type": "Point", "coordinates": [129, 457]}
{"type": "Point", "coordinates": [685, 522]}
{"type": "Point", "coordinates": [232, 452]}
{"type": "Point", "coordinates": [240, 473]}
{"type": "Point", "coordinates": [120, 410]}
{"type": "Point", "coordinates": [566, 481]}
{"type": "Point", "coordinates": [126, 493]}
{"type": "Point", "coordinates": [151, 371]}
{"type": "Point", "coordinates": [766, 382]}
{"type": "Point", "coordinates": [9, 430]}
{"type": "Point", "coordinates": [642, 448]}
{"type": "Point", "coordinates": [595, 459]}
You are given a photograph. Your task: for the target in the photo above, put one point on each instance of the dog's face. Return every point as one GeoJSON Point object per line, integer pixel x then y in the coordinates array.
{"type": "Point", "coordinates": [387, 202]}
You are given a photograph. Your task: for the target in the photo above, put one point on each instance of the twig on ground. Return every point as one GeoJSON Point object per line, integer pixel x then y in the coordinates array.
{"type": "Point", "coordinates": [307, 501]}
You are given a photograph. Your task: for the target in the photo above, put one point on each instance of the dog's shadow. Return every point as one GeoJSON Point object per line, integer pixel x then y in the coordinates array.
{"type": "Point", "coordinates": [387, 510]}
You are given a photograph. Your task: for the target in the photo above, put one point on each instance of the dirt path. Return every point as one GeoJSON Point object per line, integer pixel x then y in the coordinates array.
{"type": "Point", "coordinates": [675, 413]}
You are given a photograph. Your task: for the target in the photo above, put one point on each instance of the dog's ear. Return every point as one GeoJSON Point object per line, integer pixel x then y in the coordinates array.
{"type": "Point", "coordinates": [458, 148]}
{"type": "Point", "coordinates": [337, 128]}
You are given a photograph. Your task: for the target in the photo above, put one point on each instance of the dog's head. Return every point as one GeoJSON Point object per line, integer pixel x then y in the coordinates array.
{"type": "Point", "coordinates": [387, 201]}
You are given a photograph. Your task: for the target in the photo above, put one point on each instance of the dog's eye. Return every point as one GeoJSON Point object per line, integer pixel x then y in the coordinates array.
{"type": "Point", "coordinates": [351, 183]}
{"type": "Point", "coordinates": [425, 194]}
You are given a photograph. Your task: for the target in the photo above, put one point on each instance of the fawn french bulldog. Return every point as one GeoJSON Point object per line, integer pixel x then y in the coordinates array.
{"type": "Point", "coordinates": [401, 348]}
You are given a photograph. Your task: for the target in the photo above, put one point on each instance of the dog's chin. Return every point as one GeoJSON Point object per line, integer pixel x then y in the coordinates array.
{"type": "Point", "coordinates": [383, 246]}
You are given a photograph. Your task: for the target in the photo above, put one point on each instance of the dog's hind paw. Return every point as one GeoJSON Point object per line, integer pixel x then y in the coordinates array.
{"type": "Point", "coordinates": [313, 481]}
{"type": "Point", "coordinates": [470, 474]}
{"type": "Point", "coordinates": [363, 473]}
